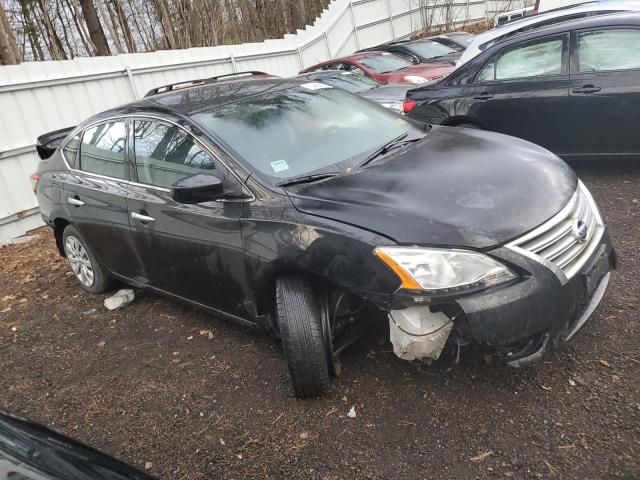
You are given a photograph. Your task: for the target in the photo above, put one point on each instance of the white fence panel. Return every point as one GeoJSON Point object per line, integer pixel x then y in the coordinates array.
{"type": "Point", "coordinates": [38, 97]}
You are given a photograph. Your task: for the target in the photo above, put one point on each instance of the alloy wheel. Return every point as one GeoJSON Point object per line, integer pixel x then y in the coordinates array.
{"type": "Point", "coordinates": [79, 261]}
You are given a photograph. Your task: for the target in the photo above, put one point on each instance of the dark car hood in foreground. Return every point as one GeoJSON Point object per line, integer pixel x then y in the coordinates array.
{"type": "Point", "coordinates": [387, 93]}
{"type": "Point", "coordinates": [456, 187]}
{"type": "Point", "coordinates": [32, 452]}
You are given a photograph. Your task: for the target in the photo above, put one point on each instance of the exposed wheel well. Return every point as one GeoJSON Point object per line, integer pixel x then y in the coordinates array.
{"type": "Point", "coordinates": [59, 224]}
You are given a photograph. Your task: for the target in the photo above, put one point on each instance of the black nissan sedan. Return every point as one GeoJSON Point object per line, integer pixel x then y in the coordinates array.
{"type": "Point", "coordinates": [298, 208]}
{"type": "Point", "coordinates": [573, 88]}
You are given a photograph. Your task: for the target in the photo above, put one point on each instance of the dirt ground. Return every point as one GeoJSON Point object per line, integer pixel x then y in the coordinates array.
{"type": "Point", "coordinates": [200, 398]}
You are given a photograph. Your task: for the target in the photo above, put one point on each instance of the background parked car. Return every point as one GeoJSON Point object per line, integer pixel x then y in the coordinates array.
{"type": "Point", "coordinates": [420, 51]}
{"type": "Point", "coordinates": [486, 39]}
{"type": "Point", "coordinates": [389, 96]}
{"type": "Point", "coordinates": [385, 67]}
{"type": "Point", "coordinates": [459, 41]}
{"type": "Point", "coordinates": [573, 88]}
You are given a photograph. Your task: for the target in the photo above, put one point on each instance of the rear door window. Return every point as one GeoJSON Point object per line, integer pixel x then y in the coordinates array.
{"type": "Point", "coordinates": [165, 153]}
{"type": "Point", "coordinates": [103, 150]}
{"type": "Point", "coordinates": [613, 49]}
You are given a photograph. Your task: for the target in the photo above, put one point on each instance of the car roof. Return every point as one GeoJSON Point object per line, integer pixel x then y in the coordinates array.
{"type": "Point", "coordinates": [200, 98]}
{"type": "Point", "coordinates": [325, 74]}
{"type": "Point", "coordinates": [357, 56]}
{"type": "Point", "coordinates": [612, 19]}
{"type": "Point", "coordinates": [501, 30]}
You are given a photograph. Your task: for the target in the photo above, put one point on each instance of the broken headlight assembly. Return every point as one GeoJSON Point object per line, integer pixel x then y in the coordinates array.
{"type": "Point", "coordinates": [438, 271]}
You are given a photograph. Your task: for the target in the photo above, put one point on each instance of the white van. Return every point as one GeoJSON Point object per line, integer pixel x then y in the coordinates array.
{"type": "Point", "coordinates": [533, 7]}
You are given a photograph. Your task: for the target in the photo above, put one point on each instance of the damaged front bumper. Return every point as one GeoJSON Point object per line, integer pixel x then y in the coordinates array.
{"type": "Point", "coordinates": [520, 320]}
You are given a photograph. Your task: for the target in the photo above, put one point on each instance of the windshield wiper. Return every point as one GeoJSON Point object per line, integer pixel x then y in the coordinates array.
{"type": "Point", "coordinates": [305, 179]}
{"type": "Point", "coordinates": [384, 149]}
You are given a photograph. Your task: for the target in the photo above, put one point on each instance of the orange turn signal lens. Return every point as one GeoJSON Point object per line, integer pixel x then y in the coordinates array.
{"type": "Point", "coordinates": [407, 280]}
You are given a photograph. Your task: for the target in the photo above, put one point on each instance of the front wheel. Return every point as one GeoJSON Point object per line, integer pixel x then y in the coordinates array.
{"type": "Point", "coordinates": [303, 339]}
{"type": "Point", "coordinates": [84, 264]}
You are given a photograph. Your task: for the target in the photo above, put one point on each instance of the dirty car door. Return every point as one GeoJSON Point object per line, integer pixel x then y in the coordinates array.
{"type": "Point", "coordinates": [95, 188]}
{"type": "Point", "coordinates": [523, 91]}
{"type": "Point", "coordinates": [190, 250]}
{"type": "Point", "coordinates": [605, 92]}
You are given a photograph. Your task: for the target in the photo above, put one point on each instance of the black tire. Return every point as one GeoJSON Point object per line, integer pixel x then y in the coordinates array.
{"type": "Point", "coordinates": [468, 125]}
{"type": "Point", "coordinates": [101, 282]}
{"type": "Point", "coordinates": [303, 342]}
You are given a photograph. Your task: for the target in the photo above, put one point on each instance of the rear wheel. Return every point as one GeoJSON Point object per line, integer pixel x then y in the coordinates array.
{"type": "Point", "coordinates": [304, 339]}
{"type": "Point", "coordinates": [84, 264]}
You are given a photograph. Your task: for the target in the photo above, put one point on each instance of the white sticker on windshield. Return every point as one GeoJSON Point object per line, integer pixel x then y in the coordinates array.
{"type": "Point", "coordinates": [315, 86]}
{"type": "Point", "coordinates": [279, 165]}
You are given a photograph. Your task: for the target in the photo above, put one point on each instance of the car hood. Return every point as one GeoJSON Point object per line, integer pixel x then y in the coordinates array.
{"type": "Point", "coordinates": [387, 93]}
{"type": "Point", "coordinates": [455, 187]}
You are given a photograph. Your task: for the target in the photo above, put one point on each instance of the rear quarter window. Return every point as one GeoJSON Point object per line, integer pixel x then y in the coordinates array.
{"type": "Point", "coordinates": [70, 151]}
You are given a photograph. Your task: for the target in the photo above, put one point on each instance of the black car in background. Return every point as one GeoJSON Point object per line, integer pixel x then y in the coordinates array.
{"type": "Point", "coordinates": [573, 88]}
{"type": "Point", "coordinates": [300, 208]}
{"type": "Point", "coordinates": [459, 41]}
{"type": "Point", "coordinates": [420, 51]}
{"type": "Point", "coordinates": [389, 96]}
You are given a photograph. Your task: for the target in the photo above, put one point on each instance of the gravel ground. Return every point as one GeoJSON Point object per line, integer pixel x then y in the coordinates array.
{"type": "Point", "coordinates": [200, 398]}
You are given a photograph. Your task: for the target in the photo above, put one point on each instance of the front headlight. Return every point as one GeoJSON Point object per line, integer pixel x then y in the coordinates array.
{"type": "Point", "coordinates": [443, 271]}
{"type": "Point", "coordinates": [415, 79]}
{"type": "Point", "coordinates": [395, 106]}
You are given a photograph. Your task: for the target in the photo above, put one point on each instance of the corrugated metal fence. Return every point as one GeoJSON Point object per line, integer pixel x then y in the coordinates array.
{"type": "Point", "coordinates": [39, 97]}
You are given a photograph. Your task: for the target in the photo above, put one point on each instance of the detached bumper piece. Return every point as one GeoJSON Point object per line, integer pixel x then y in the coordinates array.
{"type": "Point", "coordinates": [418, 333]}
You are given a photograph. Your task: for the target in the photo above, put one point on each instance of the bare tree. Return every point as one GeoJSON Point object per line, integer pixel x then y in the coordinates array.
{"type": "Point", "coordinates": [96, 32]}
{"type": "Point", "coordinates": [9, 52]}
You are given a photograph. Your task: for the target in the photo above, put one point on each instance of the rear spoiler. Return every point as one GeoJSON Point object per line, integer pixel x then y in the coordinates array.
{"type": "Point", "coordinates": [48, 143]}
{"type": "Point", "coordinates": [250, 74]}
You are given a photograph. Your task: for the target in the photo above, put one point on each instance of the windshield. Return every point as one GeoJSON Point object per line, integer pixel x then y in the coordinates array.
{"type": "Point", "coordinates": [429, 49]}
{"type": "Point", "coordinates": [350, 82]}
{"type": "Point", "coordinates": [310, 129]}
{"type": "Point", "coordinates": [386, 62]}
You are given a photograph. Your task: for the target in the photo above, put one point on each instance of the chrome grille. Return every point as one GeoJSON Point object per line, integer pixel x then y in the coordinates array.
{"type": "Point", "coordinates": [566, 241]}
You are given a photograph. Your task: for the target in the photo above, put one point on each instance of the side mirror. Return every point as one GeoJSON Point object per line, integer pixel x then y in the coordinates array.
{"type": "Point", "coordinates": [197, 188]}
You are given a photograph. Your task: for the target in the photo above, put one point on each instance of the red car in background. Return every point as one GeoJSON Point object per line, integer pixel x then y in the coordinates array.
{"type": "Point", "coordinates": [385, 67]}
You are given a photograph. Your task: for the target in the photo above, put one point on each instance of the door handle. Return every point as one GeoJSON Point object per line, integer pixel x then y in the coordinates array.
{"type": "Point", "coordinates": [142, 218]}
{"type": "Point", "coordinates": [483, 96]}
{"type": "Point", "coordinates": [75, 201]}
{"type": "Point", "coordinates": [586, 89]}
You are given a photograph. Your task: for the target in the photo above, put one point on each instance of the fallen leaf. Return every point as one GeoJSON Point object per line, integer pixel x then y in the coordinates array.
{"type": "Point", "coordinates": [508, 473]}
{"type": "Point", "coordinates": [175, 360]}
{"type": "Point", "coordinates": [101, 344]}
{"type": "Point", "coordinates": [27, 279]}
{"type": "Point", "coordinates": [352, 413]}
{"type": "Point", "coordinates": [553, 470]}
{"type": "Point", "coordinates": [603, 362]}
{"type": "Point", "coordinates": [483, 429]}
{"type": "Point", "coordinates": [481, 457]}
